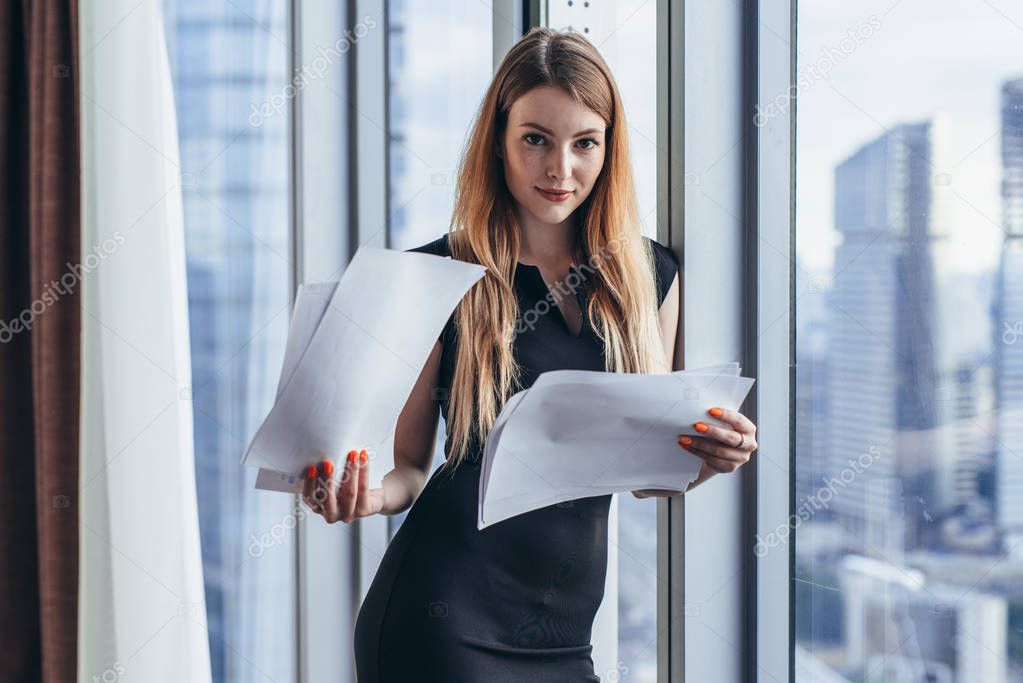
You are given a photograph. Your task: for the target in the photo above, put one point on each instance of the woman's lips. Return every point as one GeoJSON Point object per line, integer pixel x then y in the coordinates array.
{"type": "Point", "coordinates": [554, 196]}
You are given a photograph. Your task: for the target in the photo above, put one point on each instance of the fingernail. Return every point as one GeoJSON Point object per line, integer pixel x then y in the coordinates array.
{"type": "Point", "coordinates": [327, 467]}
{"type": "Point", "coordinates": [700, 427]}
{"type": "Point", "coordinates": [352, 455]}
{"type": "Point", "coordinates": [685, 440]}
{"type": "Point", "coordinates": [716, 412]}
{"type": "Point", "coordinates": [363, 456]}
{"type": "Point", "coordinates": [310, 472]}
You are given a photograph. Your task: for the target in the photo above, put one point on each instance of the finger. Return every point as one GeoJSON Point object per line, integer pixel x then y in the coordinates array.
{"type": "Point", "coordinates": [739, 422]}
{"type": "Point", "coordinates": [713, 448]}
{"type": "Point", "coordinates": [728, 437]}
{"type": "Point", "coordinates": [719, 454]}
{"type": "Point", "coordinates": [308, 486]}
{"type": "Point", "coordinates": [362, 501]}
{"type": "Point", "coordinates": [656, 493]}
{"type": "Point", "coordinates": [325, 493]}
{"type": "Point", "coordinates": [719, 450]}
{"type": "Point", "coordinates": [349, 487]}
{"type": "Point", "coordinates": [716, 463]}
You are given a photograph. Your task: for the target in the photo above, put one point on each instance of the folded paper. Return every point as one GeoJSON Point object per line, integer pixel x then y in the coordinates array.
{"type": "Point", "coordinates": [578, 433]}
{"type": "Point", "coordinates": [354, 351]}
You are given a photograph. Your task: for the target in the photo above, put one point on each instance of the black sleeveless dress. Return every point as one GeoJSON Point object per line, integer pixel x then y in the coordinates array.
{"type": "Point", "coordinates": [516, 600]}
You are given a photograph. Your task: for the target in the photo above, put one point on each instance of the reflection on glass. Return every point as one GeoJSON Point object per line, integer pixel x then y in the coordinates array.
{"type": "Point", "coordinates": [430, 117]}
{"type": "Point", "coordinates": [909, 437]}
{"type": "Point", "coordinates": [228, 60]}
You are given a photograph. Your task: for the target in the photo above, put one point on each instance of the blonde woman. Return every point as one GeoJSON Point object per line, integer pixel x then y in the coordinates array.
{"type": "Point", "coordinates": [546, 202]}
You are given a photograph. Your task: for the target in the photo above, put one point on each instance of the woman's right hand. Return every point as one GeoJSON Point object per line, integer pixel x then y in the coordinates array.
{"type": "Point", "coordinates": [343, 498]}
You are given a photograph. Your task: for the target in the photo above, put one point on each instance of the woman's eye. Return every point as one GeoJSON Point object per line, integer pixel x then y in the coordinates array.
{"type": "Point", "coordinates": [536, 139]}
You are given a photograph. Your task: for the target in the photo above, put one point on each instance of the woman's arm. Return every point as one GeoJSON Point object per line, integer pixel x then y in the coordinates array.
{"type": "Point", "coordinates": [414, 437]}
{"type": "Point", "coordinates": [667, 321]}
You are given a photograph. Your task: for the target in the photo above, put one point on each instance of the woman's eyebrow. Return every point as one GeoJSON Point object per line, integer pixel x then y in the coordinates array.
{"type": "Point", "coordinates": [588, 131]}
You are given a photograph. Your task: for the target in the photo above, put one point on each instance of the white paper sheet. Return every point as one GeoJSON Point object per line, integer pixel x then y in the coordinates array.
{"type": "Point", "coordinates": [353, 354]}
{"type": "Point", "coordinates": [577, 433]}
{"type": "Point", "coordinates": [581, 377]}
{"type": "Point", "coordinates": [310, 303]}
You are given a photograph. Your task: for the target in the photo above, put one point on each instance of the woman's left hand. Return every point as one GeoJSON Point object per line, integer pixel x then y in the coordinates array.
{"type": "Point", "coordinates": [721, 449]}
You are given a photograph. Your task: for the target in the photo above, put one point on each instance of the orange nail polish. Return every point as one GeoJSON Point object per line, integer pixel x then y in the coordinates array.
{"type": "Point", "coordinates": [700, 427]}
{"type": "Point", "coordinates": [686, 441]}
{"type": "Point", "coordinates": [716, 412]}
{"type": "Point", "coordinates": [310, 472]}
{"type": "Point", "coordinates": [352, 455]}
{"type": "Point", "coordinates": [327, 467]}
{"type": "Point", "coordinates": [363, 456]}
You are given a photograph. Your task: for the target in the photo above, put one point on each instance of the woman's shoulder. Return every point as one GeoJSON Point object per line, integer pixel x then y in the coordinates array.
{"type": "Point", "coordinates": [666, 265]}
{"type": "Point", "coordinates": [660, 251]}
{"type": "Point", "coordinates": [438, 247]}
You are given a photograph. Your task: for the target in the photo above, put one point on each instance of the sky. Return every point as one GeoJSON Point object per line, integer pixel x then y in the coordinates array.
{"type": "Point", "coordinates": [921, 57]}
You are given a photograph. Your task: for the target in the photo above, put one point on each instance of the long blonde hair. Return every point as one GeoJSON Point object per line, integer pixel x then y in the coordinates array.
{"type": "Point", "coordinates": [484, 230]}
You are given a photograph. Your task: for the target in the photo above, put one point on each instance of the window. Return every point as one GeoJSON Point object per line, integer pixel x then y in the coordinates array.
{"type": "Point", "coordinates": [229, 60]}
{"type": "Point", "coordinates": [909, 382]}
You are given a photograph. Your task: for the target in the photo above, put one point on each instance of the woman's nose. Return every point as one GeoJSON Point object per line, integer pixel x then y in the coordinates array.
{"type": "Point", "coordinates": [559, 166]}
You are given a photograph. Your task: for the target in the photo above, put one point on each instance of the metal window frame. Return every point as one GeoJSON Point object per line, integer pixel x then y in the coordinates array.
{"type": "Point", "coordinates": [734, 181]}
{"type": "Point", "coordinates": [771, 62]}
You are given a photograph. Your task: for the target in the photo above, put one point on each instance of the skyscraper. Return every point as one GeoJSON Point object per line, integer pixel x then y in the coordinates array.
{"type": "Point", "coordinates": [1008, 321]}
{"type": "Point", "coordinates": [885, 355]}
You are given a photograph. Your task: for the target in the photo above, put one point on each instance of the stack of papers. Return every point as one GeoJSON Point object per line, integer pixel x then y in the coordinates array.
{"type": "Point", "coordinates": [578, 433]}
{"type": "Point", "coordinates": [355, 349]}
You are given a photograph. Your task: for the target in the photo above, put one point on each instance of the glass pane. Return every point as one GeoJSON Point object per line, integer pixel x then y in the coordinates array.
{"type": "Point", "coordinates": [626, 35]}
{"type": "Point", "coordinates": [909, 444]}
{"type": "Point", "coordinates": [229, 66]}
{"type": "Point", "coordinates": [430, 118]}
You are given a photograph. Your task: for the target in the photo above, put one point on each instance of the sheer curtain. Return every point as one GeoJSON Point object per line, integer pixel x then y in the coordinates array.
{"type": "Point", "coordinates": [142, 611]}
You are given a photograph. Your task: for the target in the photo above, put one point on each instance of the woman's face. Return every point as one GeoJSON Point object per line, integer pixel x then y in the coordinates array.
{"type": "Point", "coordinates": [552, 142]}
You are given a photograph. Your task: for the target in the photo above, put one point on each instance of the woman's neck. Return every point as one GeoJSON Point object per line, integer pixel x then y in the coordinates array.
{"type": "Point", "coordinates": [548, 244]}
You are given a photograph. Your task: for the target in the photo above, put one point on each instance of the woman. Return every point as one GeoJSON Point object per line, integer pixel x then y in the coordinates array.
{"type": "Point", "coordinates": [545, 182]}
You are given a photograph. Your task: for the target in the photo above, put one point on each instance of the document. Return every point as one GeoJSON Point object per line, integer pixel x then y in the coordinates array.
{"type": "Point", "coordinates": [354, 351]}
{"type": "Point", "coordinates": [310, 303]}
{"type": "Point", "coordinates": [580, 433]}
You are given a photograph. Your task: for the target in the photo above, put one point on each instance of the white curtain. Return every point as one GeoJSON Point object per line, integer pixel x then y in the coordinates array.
{"type": "Point", "coordinates": [141, 604]}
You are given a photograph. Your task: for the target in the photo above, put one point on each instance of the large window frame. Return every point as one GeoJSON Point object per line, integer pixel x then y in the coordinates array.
{"type": "Point", "coordinates": [719, 171]}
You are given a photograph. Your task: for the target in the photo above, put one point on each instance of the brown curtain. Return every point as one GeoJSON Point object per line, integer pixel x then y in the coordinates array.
{"type": "Point", "coordinates": [39, 340]}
